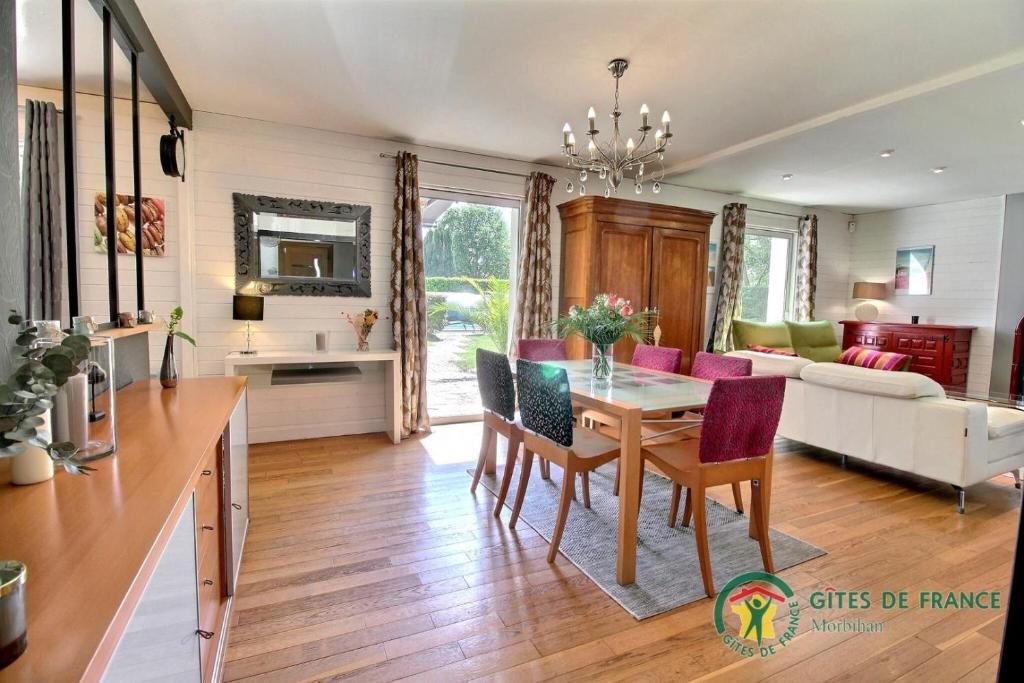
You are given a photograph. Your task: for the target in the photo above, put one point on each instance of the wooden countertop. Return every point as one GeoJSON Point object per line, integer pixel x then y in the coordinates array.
{"type": "Point", "coordinates": [119, 332]}
{"type": "Point", "coordinates": [90, 543]}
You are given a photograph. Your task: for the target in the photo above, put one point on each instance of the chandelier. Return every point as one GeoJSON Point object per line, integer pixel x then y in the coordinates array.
{"type": "Point", "coordinates": [615, 161]}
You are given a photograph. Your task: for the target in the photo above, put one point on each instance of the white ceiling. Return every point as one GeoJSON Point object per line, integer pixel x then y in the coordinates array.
{"type": "Point", "coordinates": [40, 50]}
{"type": "Point", "coordinates": [751, 85]}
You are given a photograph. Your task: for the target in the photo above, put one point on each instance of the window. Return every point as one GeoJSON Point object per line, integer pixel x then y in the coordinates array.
{"type": "Point", "coordinates": [766, 292]}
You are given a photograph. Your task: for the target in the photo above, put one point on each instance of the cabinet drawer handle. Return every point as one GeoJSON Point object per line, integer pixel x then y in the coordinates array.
{"type": "Point", "coordinates": [205, 635]}
{"type": "Point", "coordinates": [207, 582]}
{"type": "Point", "coordinates": [207, 473]}
{"type": "Point", "coordinates": [236, 506]}
{"type": "Point", "coordinates": [207, 527]}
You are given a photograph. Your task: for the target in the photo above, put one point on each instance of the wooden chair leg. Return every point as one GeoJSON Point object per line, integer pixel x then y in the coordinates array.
{"type": "Point", "coordinates": [766, 493]}
{"type": "Point", "coordinates": [737, 496]}
{"type": "Point", "coordinates": [615, 489]}
{"type": "Point", "coordinates": [673, 510]}
{"type": "Point", "coordinates": [568, 486]}
{"type": "Point", "coordinates": [688, 508]}
{"type": "Point", "coordinates": [506, 476]}
{"type": "Point", "coordinates": [586, 489]}
{"type": "Point", "coordinates": [545, 469]}
{"type": "Point", "coordinates": [757, 505]}
{"type": "Point", "coordinates": [524, 479]}
{"type": "Point", "coordinates": [700, 526]}
{"type": "Point", "coordinates": [488, 441]}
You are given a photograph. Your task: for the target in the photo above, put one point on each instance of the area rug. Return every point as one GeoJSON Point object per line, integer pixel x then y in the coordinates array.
{"type": "Point", "coordinates": [667, 572]}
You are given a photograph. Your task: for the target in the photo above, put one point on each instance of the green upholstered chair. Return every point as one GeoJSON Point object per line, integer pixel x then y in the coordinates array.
{"type": "Point", "coordinates": [815, 340]}
{"type": "Point", "coordinates": [747, 332]}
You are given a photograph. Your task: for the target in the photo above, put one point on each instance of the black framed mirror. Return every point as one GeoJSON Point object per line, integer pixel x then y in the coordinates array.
{"type": "Point", "coordinates": [301, 247]}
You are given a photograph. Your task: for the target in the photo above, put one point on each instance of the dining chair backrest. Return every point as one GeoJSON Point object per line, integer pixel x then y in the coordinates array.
{"type": "Point", "coordinates": [663, 358]}
{"type": "Point", "coordinates": [741, 417]}
{"type": "Point", "coordinates": [544, 403]}
{"type": "Point", "coordinates": [715, 366]}
{"type": "Point", "coordinates": [541, 349]}
{"type": "Point", "coordinates": [494, 379]}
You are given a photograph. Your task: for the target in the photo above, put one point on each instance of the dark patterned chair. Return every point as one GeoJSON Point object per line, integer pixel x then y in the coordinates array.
{"type": "Point", "coordinates": [550, 433]}
{"type": "Point", "coordinates": [498, 396]}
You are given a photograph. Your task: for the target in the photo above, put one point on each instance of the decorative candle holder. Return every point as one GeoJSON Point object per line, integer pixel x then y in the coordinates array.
{"type": "Point", "coordinates": [102, 397]}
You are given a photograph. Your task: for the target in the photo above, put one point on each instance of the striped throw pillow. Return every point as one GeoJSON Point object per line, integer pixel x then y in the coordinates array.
{"type": "Point", "coordinates": [769, 349]}
{"type": "Point", "coordinates": [876, 360]}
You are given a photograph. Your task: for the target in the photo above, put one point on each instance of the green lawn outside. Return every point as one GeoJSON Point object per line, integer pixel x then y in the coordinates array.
{"type": "Point", "coordinates": [467, 357]}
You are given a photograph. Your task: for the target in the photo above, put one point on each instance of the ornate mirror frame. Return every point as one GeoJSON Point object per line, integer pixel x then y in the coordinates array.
{"type": "Point", "coordinates": [247, 267]}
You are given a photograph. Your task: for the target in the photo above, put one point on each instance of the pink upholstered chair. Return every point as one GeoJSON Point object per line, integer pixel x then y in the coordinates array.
{"type": "Point", "coordinates": [735, 445]}
{"type": "Point", "coordinates": [713, 366]}
{"type": "Point", "coordinates": [539, 350]}
{"type": "Point", "coordinates": [663, 358]}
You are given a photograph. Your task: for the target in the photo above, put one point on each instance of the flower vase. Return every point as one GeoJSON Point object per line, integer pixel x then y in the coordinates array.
{"type": "Point", "coordinates": [33, 464]}
{"type": "Point", "coordinates": [603, 361]}
{"type": "Point", "coordinates": [362, 343]}
{"type": "Point", "coordinates": [168, 370]}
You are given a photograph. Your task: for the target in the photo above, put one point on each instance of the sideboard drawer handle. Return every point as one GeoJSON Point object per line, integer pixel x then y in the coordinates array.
{"type": "Point", "coordinates": [236, 506]}
{"type": "Point", "coordinates": [205, 635]}
{"type": "Point", "coordinates": [207, 582]}
{"type": "Point", "coordinates": [207, 473]}
{"type": "Point", "coordinates": [207, 527]}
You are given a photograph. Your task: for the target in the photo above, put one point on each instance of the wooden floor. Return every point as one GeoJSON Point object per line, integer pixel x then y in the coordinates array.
{"type": "Point", "coordinates": [372, 562]}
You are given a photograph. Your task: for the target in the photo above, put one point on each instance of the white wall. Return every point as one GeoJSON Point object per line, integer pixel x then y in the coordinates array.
{"type": "Point", "coordinates": [1010, 307]}
{"type": "Point", "coordinates": [233, 154]}
{"type": "Point", "coordinates": [161, 273]}
{"type": "Point", "coordinates": [967, 236]}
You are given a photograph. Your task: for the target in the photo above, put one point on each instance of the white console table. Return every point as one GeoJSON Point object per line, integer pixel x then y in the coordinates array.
{"type": "Point", "coordinates": [268, 368]}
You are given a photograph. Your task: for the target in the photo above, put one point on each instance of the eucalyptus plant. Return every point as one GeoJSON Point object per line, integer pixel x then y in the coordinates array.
{"type": "Point", "coordinates": [39, 373]}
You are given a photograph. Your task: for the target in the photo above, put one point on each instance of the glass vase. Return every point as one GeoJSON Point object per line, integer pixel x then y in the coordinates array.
{"type": "Point", "coordinates": [603, 361]}
{"type": "Point", "coordinates": [168, 369]}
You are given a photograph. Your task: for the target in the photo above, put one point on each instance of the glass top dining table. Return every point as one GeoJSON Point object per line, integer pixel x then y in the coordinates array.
{"type": "Point", "coordinates": [631, 392]}
{"type": "Point", "coordinates": [648, 390]}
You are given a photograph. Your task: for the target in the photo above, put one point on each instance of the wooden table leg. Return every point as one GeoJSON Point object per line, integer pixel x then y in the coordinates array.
{"type": "Point", "coordinates": [630, 467]}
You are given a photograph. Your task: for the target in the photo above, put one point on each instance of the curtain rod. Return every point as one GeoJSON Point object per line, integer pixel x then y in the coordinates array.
{"type": "Point", "coordinates": [775, 213]}
{"type": "Point", "coordinates": [385, 155]}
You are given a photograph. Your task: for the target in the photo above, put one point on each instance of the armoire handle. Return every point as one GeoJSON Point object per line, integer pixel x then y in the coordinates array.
{"type": "Point", "coordinates": [205, 635]}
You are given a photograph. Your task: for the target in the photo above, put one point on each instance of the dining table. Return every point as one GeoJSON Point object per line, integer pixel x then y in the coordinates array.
{"type": "Point", "coordinates": [631, 393]}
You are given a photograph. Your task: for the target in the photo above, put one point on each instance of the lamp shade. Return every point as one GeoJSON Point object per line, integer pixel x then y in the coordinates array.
{"type": "Point", "coordinates": [244, 307]}
{"type": "Point", "coordinates": [869, 290]}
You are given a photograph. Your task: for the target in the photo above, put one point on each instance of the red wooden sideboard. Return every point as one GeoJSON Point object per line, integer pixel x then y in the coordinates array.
{"type": "Point", "coordinates": [937, 351]}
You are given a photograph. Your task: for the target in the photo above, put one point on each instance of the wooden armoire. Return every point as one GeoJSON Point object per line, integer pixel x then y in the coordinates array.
{"type": "Point", "coordinates": [655, 255]}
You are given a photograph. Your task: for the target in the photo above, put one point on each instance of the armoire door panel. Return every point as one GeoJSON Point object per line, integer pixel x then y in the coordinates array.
{"type": "Point", "coordinates": [678, 289]}
{"type": "Point", "coordinates": [625, 271]}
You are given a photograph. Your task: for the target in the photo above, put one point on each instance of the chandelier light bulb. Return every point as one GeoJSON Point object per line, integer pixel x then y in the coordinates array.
{"type": "Point", "coordinates": [592, 148]}
{"type": "Point", "coordinates": [566, 132]}
{"type": "Point", "coordinates": [665, 121]}
{"type": "Point", "coordinates": [572, 140]}
{"type": "Point", "coordinates": [644, 111]}
{"type": "Point", "coordinates": [592, 117]}
{"type": "Point", "coordinates": [630, 146]}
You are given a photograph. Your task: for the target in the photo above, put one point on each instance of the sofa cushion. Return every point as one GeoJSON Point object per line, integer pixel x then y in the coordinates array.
{"type": "Point", "coordinates": [875, 382]}
{"type": "Point", "coordinates": [876, 360]}
{"type": "Point", "coordinates": [768, 349]}
{"type": "Point", "coordinates": [773, 363]}
{"type": "Point", "coordinates": [814, 340]}
{"type": "Point", "coordinates": [747, 332]}
{"type": "Point", "coordinates": [1004, 421]}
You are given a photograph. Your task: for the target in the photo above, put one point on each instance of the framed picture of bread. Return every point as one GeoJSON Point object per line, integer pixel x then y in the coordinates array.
{"type": "Point", "coordinates": [154, 229]}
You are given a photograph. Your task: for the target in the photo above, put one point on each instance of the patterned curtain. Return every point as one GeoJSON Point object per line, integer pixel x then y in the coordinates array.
{"type": "Point", "coordinates": [41, 211]}
{"type": "Point", "coordinates": [533, 299]}
{"type": "Point", "coordinates": [409, 294]}
{"type": "Point", "coordinates": [806, 267]}
{"type": "Point", "coordinates": [727, 303]}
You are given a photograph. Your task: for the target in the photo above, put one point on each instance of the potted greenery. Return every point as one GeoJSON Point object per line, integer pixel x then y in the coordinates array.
{"type": "Point", "coordinates": [26, 399]}
{"type": "Point", "coordinates": [168, 369]}
{"type": "Point", "coordinates": [608, 319]}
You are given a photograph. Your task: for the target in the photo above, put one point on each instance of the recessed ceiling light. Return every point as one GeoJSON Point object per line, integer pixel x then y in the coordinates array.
{"type": "Point", "coordinates": [1022, 122]}
{"type": "Point", "coordinates": [788, 176]}
{"type": "Point", "coordinates": [939, 169]}
{"type": "Point", "coordinates": [886, 153]}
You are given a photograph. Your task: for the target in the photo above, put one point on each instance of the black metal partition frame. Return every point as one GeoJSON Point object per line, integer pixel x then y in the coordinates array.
{"type": "Point", "coordinates": [123, 23]}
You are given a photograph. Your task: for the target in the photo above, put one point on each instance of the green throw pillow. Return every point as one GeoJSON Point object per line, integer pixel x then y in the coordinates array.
{"type": "Point", "coordinates": [747, 332]}
{"type": "Point", "coordinates": [815, 341]}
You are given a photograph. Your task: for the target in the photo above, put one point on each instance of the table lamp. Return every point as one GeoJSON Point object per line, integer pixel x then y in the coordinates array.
{"type": "Point", "coordinates": [247, 308]}
{"type": "Point", "coordinates": [867, 312]}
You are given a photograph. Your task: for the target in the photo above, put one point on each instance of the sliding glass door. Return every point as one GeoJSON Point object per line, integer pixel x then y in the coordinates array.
{"type": "Point", "coordinates": [468, 243]}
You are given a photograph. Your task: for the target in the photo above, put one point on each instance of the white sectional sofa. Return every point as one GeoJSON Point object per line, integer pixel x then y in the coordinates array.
{"type": "Point", "coordinates": [901, 420]}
